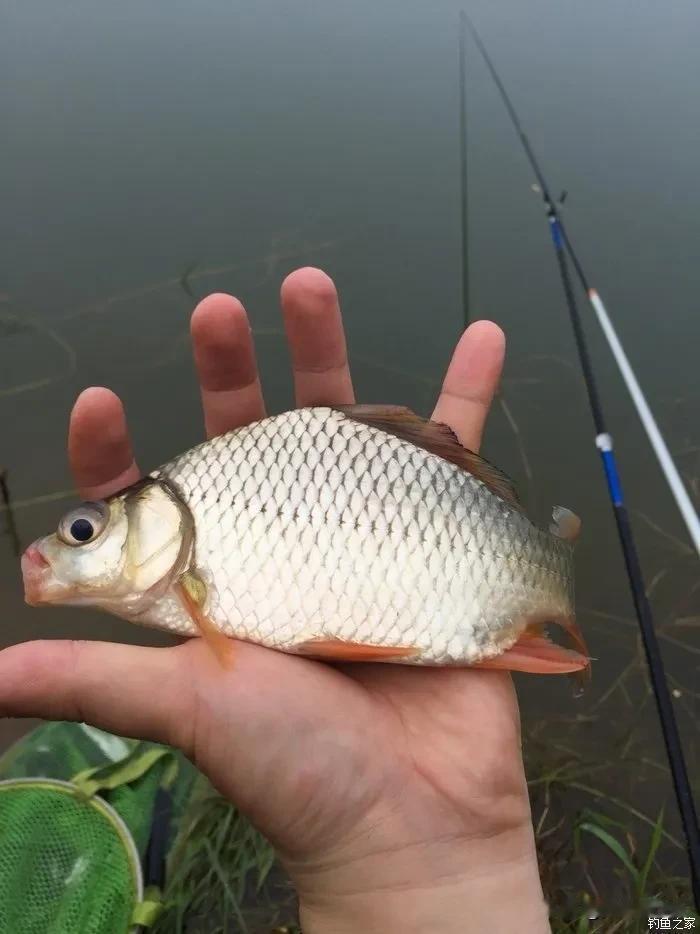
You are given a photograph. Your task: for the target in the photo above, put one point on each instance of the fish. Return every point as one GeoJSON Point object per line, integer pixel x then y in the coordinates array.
{"type": "Point", "coordinates": [349, 533]}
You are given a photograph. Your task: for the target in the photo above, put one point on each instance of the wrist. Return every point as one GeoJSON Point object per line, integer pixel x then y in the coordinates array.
{"type": "Point", "coordinates": [439, 887]}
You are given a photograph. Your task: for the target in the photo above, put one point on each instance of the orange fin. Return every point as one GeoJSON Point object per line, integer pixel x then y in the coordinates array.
{"type": "Point", "coordinates": [538, 656]}
{"type": "Point", "coordinates": [536, 653]}
{"type": "Point", "coordinates": [434, 437]}
{"type": "Point", "coordinates": [337, 650]}
{"type": "Point", "coordinates": [221, 645]}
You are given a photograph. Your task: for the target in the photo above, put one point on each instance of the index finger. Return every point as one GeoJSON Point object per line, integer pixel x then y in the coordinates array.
{"type": "Point", "coordinates": [471, 382]}
{"type": "Point", "coordinates": [99, 448]}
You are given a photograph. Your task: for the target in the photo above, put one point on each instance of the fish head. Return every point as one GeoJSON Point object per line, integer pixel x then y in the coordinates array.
{"type": "Point", "coordinates": [120, 554]}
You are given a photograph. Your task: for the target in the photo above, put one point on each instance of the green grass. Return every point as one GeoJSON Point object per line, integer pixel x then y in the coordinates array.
{"type": "Point", "coordinates": [222, 877]}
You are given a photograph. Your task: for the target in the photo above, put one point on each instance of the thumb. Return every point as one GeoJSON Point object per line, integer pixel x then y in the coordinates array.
{"type": "Point", "coordinates": [131, 690]}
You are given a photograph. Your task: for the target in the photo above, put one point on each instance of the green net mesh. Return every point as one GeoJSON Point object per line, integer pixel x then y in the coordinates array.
{"type": "Point", "coordinates": [64, 864]}
{"type": "Point", "coordinates": [70, 864]}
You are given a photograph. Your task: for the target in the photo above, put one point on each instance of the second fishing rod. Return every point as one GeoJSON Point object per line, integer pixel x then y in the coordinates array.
{"type": "Point", "coordinates": [604, 443]}
{"type": "Point", "coordinates": [662, 696]}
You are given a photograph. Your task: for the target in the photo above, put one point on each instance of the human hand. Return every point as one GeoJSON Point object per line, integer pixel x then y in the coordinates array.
{"type": "Point", "coordinates": [394, 795]}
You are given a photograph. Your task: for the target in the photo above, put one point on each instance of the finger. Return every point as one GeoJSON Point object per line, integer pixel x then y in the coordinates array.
{"type": "Point", "coordinates": [316, 338]}
{"type": "Point", "coordinates": [225, 360]}
{"type": "Point", "coordinates": [471, 381]}
{"type": "Point", "coordinates": [99, 448]}
{"type": "Point", "coordinates": [107, 685]}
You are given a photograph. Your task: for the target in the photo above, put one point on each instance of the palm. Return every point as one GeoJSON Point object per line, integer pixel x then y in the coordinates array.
{"type": "Point", "coordinates": [311, 752]}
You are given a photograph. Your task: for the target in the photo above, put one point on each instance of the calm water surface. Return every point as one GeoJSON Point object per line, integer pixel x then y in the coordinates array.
{"type": "Point", "coordinates": [228, 144]}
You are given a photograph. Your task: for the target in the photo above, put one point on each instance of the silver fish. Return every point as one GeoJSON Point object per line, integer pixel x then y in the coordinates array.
{"type": "Point", "coordinates": [357, 533]}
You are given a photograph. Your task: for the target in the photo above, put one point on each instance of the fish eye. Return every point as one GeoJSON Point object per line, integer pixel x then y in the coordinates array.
{"type": "Point", "coordinates": [84, 524]}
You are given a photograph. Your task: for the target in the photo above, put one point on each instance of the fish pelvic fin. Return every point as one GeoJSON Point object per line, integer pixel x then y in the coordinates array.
{"type": "Point", "coordinates": [338, 650]}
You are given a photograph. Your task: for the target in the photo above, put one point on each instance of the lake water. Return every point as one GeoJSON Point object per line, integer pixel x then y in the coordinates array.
{"type": "Point", "coordinates": [229, 142]}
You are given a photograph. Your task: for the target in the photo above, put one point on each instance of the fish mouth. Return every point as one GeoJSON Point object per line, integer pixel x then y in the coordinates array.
{"type": "Point", "coordinates": [40, 584]}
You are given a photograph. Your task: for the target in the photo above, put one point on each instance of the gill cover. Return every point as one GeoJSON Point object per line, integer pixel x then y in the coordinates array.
{"type": "Point", "coordinates": [160, 537]}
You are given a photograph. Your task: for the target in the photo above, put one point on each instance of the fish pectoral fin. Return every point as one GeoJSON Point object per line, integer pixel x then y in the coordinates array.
{"type": "Point", "coordinates": [340, 651]}
{"type": "Point", "coordinates": [191, 592]}
{"type": "Point", "coordinates": [534, 652]}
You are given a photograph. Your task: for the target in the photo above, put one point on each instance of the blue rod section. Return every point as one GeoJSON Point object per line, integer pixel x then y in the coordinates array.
{"type": "Point", "coordinates": [612, 477]}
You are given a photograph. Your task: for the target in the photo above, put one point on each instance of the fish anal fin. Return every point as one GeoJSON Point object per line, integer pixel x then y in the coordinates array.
{"type": "Point", "coordinates": [534, 652]}
{"type": "Point", "coordinates": [537, 656]}
{"type": "Point", "coordinates": [436, 438]}
{"type": "Point", "coordinates": [191, 591]}
{"type": "Point", "coordinates": [341, 651]}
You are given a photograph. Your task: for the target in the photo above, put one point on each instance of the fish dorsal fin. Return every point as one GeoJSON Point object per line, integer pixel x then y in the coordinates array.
{"type": "Point", "coordinates": [437, 438]}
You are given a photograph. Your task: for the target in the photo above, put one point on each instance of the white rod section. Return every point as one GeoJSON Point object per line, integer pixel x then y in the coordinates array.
{"type": "Point", "coordinates": [673, 478]}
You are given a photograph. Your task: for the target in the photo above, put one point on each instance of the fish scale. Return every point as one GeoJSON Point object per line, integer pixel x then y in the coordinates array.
{"type": "Point", "coordinates": [312, 525]}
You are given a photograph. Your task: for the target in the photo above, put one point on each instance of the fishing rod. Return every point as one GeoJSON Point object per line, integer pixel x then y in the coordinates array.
{"type": "Point", "coordinates": [673, 478]}
{"type": "Point", "coordinates": [7, 507]}
{"type": "Point", "coordinates": [604, 443]}
{"type": "Point", "coordinates": [464, 179]}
